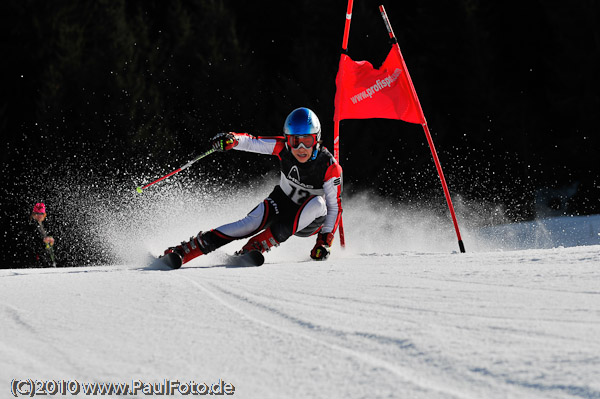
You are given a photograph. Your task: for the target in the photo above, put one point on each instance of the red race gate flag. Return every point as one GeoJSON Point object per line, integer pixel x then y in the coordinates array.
{"type": "Point", "coordinates": [364, 92]}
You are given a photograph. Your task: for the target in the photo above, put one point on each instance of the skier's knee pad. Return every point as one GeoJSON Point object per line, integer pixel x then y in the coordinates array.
{"type": "Point", "coordinates": [311, 228]}
{"type": "Point", "coordinates": [304, 222]}
{"type": "Point", "coordinates": [311, 216]}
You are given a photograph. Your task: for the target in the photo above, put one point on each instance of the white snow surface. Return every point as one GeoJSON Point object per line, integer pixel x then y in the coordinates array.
{"type": "Point", "coordinates": [399, 313]}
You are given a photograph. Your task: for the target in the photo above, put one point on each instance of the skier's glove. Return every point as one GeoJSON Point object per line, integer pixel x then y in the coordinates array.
{"type": "Point", "coordinates": [223, 142]}
{"type": "Point", "coordinates": [321, 250]}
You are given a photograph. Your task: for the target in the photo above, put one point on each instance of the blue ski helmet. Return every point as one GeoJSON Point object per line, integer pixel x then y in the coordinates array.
{"type": "Point", "coordinates": [302, 121]}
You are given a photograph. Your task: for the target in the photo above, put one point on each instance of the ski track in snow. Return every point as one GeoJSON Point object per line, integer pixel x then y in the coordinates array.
{"type": "Point", "coordinates": [318, 335]}
{"type": "Point", "coordinates": [513, 324]}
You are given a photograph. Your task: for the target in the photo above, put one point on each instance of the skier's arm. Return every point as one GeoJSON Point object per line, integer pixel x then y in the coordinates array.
{"type": "Point", "coordinates": [333, 200]}
{"type": "Point", "coordinates": [247, 142]}
{"type": "Point", "coordinates": [260, 144]}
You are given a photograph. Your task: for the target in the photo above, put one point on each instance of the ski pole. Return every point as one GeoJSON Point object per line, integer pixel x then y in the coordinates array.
{"type": "Point", "coordinates": [187, 165]}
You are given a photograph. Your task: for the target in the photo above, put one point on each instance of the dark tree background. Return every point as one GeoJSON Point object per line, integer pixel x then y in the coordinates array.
{"type": "Point", "coordinates": [110, 90]}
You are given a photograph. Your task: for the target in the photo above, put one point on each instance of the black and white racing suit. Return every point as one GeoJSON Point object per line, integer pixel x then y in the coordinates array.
{"type": "Point", "coordinates": [306, 200]}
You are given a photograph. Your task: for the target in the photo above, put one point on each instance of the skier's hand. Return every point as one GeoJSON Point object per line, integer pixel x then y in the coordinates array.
{"type": "Point", "coordinates": [49, 240]}
{"type": "Point", "coordinates": [321, 249]}
{"type": "Point", "coordinates": [223, 141]}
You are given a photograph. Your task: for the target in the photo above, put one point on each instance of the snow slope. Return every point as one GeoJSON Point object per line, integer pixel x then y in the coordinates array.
{"type": "Point", "coordinates": [398, 314]}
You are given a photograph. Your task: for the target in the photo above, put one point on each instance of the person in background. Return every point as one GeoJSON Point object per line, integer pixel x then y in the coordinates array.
{"type": "Point", "coordinates": [40, 243]}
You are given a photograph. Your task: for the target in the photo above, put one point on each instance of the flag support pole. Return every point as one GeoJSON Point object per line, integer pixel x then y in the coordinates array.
{"type": "Point", "coordinates": [336, 124]}
{"type": "Point", "coordinates": [425, 129]}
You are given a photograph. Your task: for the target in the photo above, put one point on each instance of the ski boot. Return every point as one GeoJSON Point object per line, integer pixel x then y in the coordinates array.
{"type": "Point", "coordinates": [176, 256]}
{"type": "Point", "coordinates": [251, 254]}
{"type": "Point", "coordinates": [262, 242]}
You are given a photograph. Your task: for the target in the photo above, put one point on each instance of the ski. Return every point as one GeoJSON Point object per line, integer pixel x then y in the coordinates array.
{"type": "Point", "coordinates": [247, 259]}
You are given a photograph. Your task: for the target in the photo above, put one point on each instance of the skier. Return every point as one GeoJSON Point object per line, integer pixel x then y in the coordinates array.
{"type": "Point", "coordinates": [39, 244]}
{"type": "Point", "coordinates": [306, 201]}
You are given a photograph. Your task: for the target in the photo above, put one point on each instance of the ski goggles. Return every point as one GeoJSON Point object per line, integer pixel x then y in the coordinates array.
{"type": "Point", "coordinates": [307, 141]}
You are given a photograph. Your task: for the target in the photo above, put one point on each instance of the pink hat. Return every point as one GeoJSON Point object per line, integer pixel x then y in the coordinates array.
{"type": "Point", "coordinates": [39, 208]}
